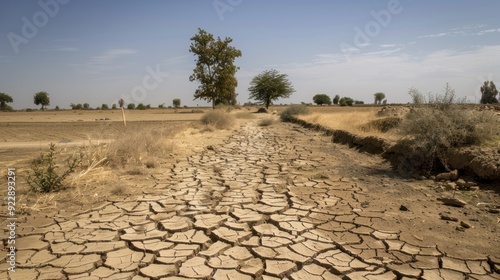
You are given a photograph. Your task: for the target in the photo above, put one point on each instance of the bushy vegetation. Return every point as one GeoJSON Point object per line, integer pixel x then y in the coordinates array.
{"type": "Point", "coordinates": [429, 131]}
{"type": "Point", "coordinates": [46, 175]}
{"type": "Point", "coordinates": [131, 106]}
{"type": "Point", "coordinates": [321, 99]}
{"type": "Point", "coordinates": [140, 147]}
{"type": "Point", "coordinates": [219, 119]}
{"type": "Point", "coordinates": [4, 99]}
{"type": "Point", "coordinates": [266, 121]}
{"type": "Point", "coordinates": [346, 101]}
{"type": "Point", "coordinates": [293, 110]}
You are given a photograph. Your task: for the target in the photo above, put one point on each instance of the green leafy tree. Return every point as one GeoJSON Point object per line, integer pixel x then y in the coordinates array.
{"type": "Point", "coordinates": [141, 106]}
{"type": "Point", "coordinates": [131, 106]}
{"type": "Point", "coordinates": [4, 99]}
{"type": "Point", "coordinates": [104, 106]}
{"type": "Point", "coordinates": [379, 96]}
{"type": "Point", "coordinates": [215, 69]}
{"type": "Point", "coordinates": [113, 107]}
{"type": "Point", "coordinates": [321, 99]}
{"type": "Point", "coordinates": [176, 103]}
{"type": "Point", "coordinates": [41, 98]}
{"type": "Point", "coordinates": [346, 101]}
{"type": "Point", "coordinates": [121, 102]}
{"type": "Point", "coordinates": [336, 99]}
{"type": "Point", "coordinates": [489, 93]}
{"type": "Point", "coordinates": [269, 86]}
{"type": "Point", "coordinates": [86, 106]}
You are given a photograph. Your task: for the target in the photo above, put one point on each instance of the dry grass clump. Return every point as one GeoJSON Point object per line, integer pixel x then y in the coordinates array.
{"type": "Point", "coordinates": [292, 111]}
{"type": "Point", "coordinates": [219, 119]}
{"type": "Point", "coordinates": [430, 132]}
{"type": "Point", "coordinates": [138, 146]}
{"type": "Point", "coordinates": [266, 122]}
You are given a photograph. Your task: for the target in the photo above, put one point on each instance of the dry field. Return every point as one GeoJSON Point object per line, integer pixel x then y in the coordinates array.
{"type": "Point", "coordinates": [262, 167]}
{"type": "Point", "coordinates": [156, 137]}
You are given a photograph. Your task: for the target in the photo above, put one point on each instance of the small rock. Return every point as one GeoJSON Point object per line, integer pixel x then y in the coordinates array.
{"type": "Point", "coordinates": [403, 208]}
{"type": "Point", "coordinates": [459, 228]}
{"type": "Point", "coordinates": [465, 224]}
{"type": "Point", "coordinates": [461, 183]}
{"type": "Point", "coordinates": [474, 188]}
{"type": "Point", "coordinates": [452, 201]}
{"type": "Point", "coordinates": [470, 184]}
{"type": "Point", "coordinates": [494, 211]}
{"type": "Point", "coordinates": [211, 148]}
{"type": "Point", "coordinates": [443, 177]}
{"type": "Point", "coordinates": [454, 175]}
{"type": "Point", "coordinates": [451, 186]}
{"type": "Point", "coordinates": [422, 178]}
{"type": "Point", "coordinates": [447, 217]}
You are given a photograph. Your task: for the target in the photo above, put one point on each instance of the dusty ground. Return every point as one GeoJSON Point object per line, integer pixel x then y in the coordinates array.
{"type": "Point", "coordinates": [259, 203]}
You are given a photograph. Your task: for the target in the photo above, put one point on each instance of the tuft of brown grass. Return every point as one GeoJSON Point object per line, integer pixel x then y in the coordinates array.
{"type": "Point", "coordinates": [133, 147]}
{"type": "Point", "coordinates": [218, 118]}
{"type": "Point", "coordinates": [266, 121]}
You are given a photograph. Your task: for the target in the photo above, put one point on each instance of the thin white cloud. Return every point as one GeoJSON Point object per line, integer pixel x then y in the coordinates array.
{"type": "Point", "coordinates": [61, 49]}
{"type": "Point", "coordinates": [109, 56]}
{"type": "Point", "coordinates": [467, 30]}
{"type": "Point", "coordinates": [106, 61]}
{"type": "Point", "coordinates": [483, 32]}
{"type": "Point", "coordinates": [388, 46]}
{"type": "Point", "coordinates": [437, 35]}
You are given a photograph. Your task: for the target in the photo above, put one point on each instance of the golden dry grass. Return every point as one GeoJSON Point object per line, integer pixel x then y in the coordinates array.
{"type": "Point", "coordinates": [356, 122]}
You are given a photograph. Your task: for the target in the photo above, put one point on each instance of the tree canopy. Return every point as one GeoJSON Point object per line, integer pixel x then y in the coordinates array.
{"type": "Point", "coordinates": [41, 98]}
{"type": "Point", "coordinates": [379, 96]}
{"type": "Point", "coordinates": [176, 102]}
{"type": "Point", "coordinates": [346, 101]}
{"type": "Point", "coordinates": [489, 93]}
{"type": "Point", "coordinates": [4, 99]}
{"type": "Point", "coordinates": [321, 99]}
{"type": "Point", "coordinates": [336, 99]}
{"type": "Point", "coordinates": [270, 85]}
{"type": "Point", "coordinates": [215, 69]}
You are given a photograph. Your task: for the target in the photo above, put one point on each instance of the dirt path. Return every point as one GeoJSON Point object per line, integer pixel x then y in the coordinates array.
{"type": "Point", "coordinates": [271, 203]}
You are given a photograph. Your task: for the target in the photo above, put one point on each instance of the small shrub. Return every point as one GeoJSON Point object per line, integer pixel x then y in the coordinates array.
{"type": "Point", "coordinates": [429, 132]}
{"type": "Point", "coordinates": [29, 110]}
{"type": "Point", "coordinates": [218, 118]}
{"type": "Point", "coordinates": [293, 110]}
{"type": "Point", "coordinates": [135, 147]}
{"type": "Point", "coordinates": [262, 110]}
{"type": "Point", "coordinates": [113, 107]}
{"type": "Point", "coordinates": [266, 122]}
{"type": "Point", "coordinates": [45, 175]}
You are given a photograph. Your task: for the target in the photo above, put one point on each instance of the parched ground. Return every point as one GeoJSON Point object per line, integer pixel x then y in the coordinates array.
{"type": "Point", "coordinates": [278, 202]}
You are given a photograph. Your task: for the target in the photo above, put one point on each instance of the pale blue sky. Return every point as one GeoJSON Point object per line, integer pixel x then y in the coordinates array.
{"type": "Point", "coordinates": [99, 51]}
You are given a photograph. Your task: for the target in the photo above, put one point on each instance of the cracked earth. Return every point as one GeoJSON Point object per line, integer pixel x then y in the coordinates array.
{"type": "Point", "coordinates": [267, 204]}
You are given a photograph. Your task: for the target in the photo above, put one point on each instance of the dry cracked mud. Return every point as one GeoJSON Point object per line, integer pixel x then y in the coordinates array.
{"type": "Point", "coordinates": [267, 204]}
